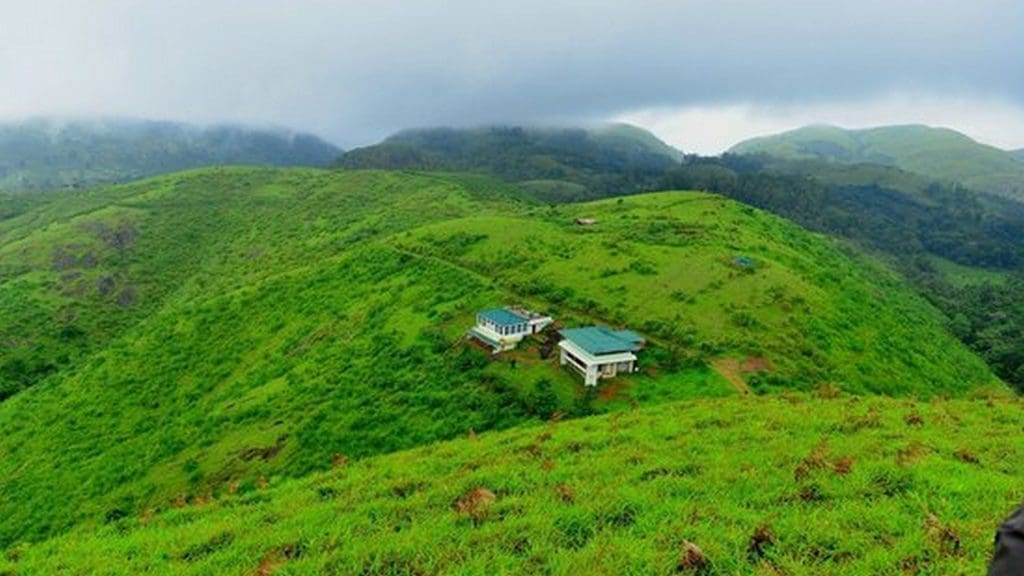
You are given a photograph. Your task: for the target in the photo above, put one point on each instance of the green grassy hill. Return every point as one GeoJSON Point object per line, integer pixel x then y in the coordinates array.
{"type": "Point", "coordinates": [775, 485]}
{"type": "Point", "coordinates": [180, 338]}
{"type": "Point", "coordinates": [935, 152]}
{"type": "Point", "coordinates": [960, 248]}
{"type": "Point", "coordinates": [550, 164]}
{"type": "Point", "coordinates": [48, 153]}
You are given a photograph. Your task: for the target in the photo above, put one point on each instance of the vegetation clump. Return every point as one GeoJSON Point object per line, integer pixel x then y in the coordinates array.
{"type": "Point", "coordinates": [478, 506]}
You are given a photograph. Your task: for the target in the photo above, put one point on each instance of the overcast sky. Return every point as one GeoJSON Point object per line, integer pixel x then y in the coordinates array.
{"type": "Point", "coordinates": [701, 74]}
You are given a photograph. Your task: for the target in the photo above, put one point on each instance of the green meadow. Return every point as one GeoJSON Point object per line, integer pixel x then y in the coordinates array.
{"type": "Point", "coordinates": [169, 349]}
{"type": "Point", "coordinates": [711, 278]}
{"type": "Point", "coordinates": [784, 484]}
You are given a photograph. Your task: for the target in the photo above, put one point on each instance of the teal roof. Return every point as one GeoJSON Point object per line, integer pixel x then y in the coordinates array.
{"type": "Point", "coordinates": [503, 317]}
{"type": "Point", "coordinates": [598, 340]}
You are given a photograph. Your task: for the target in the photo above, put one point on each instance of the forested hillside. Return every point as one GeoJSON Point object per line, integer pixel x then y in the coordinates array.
{"type": "Point", "coordinates": [192, 335]}
{"type": "Point", "coordinates": [550, 164]}
{"type": "Point", "coordinates": [938, 153]}
{"type": "Point", "coordinates": [49, 153]}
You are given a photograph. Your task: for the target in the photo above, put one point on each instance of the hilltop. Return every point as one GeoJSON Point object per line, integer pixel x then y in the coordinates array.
{"type": "Point", "coordinates": [48, 153]}
{"type": "Point", "coordinates": [169, 339]}
{"type": "Point", "coordinates": [550, 164]}
{"type": "Point", "coordinates": [938, 153]}
{"type": "Point", "coordinates": [796, 485]}
{"type": "Point", "coordinates": [959, 248]}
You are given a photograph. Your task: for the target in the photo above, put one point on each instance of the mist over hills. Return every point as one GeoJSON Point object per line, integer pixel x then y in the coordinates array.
{"type": "Point", "coordinates": [48, 153]}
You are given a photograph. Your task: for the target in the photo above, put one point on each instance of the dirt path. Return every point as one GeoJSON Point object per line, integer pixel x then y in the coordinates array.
{"type": "Point", "coordinates": [729, 368]}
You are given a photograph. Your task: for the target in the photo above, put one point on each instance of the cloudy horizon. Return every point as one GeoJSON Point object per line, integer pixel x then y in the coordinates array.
{"type": "Point", "coordinates": [701, 75]}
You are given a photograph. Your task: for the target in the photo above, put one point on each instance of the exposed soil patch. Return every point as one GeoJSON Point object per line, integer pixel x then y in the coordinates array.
{"type": "Point", "coordinates": [966, 456]}
{"type": "Point", "coordinates": [945, 536]}
{"type": "Point", "coordinates": [263, 452]}
{"type": "Point", "coordinates": [756, 364]}
{"type": "Point", "coordinates": [276, 558]}
{"type": "Point", "coordinates": [843, 465]}
{"type": "Point", "coordinates": [475, 504]}
{"type": "Point", "coordinates": [692, 560]}
{"type": "Point", "coordinates": [762, 540]}
{"type": "Point", "coordinates": [565, 493]}
{"type": "Point", "coordinates": [729, 368]}
{"type": "Point", "coordinates": [549, 344]}
{"type": "Point", "coordinates": [271, 561]}
{"type": "Point", "coordinates": [613, 389]}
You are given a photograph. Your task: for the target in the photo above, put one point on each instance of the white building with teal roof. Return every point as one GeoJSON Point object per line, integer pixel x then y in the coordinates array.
{"type": "Point", "coordinates": [598, 352]}
{"type": "Point", "coordinates": [504, 328]}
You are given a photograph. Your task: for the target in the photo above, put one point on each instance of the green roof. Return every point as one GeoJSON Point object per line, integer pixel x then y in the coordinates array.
{"type": "Point", "coordinates": [598, 340]}
{"type": "Point", "coordinates": [503, 317]}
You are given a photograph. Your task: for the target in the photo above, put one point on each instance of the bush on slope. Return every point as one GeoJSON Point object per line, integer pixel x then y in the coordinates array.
{"type": "Point", "coordinates": [291, 318]}
{"type": "Point", "coordinates": [794, 484]}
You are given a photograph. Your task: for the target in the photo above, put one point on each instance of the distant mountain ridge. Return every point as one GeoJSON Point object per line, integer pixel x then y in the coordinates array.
{"type": "Point", "coordinates": [938, 153]}
{"type": "Point", "coordinates": [46, 153]}
{"type": "Point", "coordinates": [552, 163]}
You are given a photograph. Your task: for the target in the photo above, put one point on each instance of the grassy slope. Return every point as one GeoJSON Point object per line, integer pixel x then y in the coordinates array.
{"type": "Point", "coordinates": [663, 264]}
{"type": "Point", "coordinates": [282, 317]}
{"type": "Point", "coordinates": [840, 486]}
{"type": "Point", "coordinates": [936, 152]}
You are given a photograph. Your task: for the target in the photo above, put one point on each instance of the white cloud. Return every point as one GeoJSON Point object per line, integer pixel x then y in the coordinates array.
{"type": "Point", "coordinates": [354, 71]}
{"type": "Point", "coordinates": [713, 129]}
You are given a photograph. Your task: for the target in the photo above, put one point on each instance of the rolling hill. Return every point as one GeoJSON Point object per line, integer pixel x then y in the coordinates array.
{"type": "Point", "coordinates": [795, 485]}
{"type": "Point", "coordinates": [550, 164]}
{"type": "Point", "coordinates": [882, 208]}
{"type": "Point", "coordinates": [179, 338]}
{"type": "Point", "coordinates": [937, 153]}
{"type": "Point", "coordinates": [961, 249]}
{"type": "Point", "coordinates": [48, 153]}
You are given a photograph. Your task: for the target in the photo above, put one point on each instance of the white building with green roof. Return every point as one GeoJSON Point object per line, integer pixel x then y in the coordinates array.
{"type": "Point", "coordinates": [597, 352]}
{"type": "Point", "coordinates": [504, 328]}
